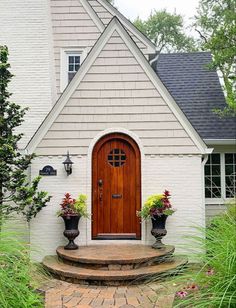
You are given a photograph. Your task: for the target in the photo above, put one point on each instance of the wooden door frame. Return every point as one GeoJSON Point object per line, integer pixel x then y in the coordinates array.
{"type": "Point", "coordinates": [99, 143]}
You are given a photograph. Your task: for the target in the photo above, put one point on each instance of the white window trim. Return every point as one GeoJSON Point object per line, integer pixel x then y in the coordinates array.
{"type": "Point", "coordinates": [65, 52]}
{"type": "Point", "coordinates": [223, 198]}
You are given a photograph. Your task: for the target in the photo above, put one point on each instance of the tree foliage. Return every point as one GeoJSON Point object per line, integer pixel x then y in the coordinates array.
{"type": "Point", "coordinates": [17, 194]}
{"type": "Point", "coordinates": [166, 31]}
{"type": "Point", "coordinates": [216, 23]}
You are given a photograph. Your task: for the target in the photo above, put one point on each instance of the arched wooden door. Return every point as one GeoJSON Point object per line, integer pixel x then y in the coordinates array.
{"type": "Point", "coordinates": [116, 188]}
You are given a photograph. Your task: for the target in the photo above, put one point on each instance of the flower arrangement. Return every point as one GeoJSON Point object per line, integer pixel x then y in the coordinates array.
{"type": "Point", "coordinates": [73, 207]}
{"type": "Point", "coordinates": [157, 205]}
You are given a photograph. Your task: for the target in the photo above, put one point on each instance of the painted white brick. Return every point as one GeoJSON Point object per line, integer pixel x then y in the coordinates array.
{"type": "Point", "coordinates": [179, 174]}
{"type": "Point", "coordinates": [25, 29]}
{"type": "Point", "coordinates": [46, 230]}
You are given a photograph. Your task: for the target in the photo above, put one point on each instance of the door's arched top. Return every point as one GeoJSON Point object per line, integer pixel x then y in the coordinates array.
{"type": "Point", "coordinates": [119, 136]}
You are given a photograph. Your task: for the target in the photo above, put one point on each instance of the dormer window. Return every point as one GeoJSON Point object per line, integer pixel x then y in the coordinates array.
{"type": "Point", "coordinates": [71, 60]}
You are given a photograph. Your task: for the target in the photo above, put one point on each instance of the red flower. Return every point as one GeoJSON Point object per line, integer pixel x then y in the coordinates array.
{"type": "Point", "coordinates": [167, 193]}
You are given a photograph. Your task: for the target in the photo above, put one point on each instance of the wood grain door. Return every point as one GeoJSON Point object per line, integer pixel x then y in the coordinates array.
{"type": "Point", "coordinates": [116, 189]}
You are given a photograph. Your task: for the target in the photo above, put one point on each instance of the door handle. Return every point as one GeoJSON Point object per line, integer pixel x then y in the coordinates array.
{"type": "Point", "coordinates": [100, 189]}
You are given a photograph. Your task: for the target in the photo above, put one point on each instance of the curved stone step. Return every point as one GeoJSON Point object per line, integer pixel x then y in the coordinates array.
{"type": "Point", "coordinates": [115, 256]}
{"type": "Point", "coordinates": [82, 275]}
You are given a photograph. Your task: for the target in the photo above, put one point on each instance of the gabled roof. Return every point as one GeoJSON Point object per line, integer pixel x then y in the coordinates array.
{"type": "Point", "coordinates": [197, 91]}
{"type": "Point", "coordinates": [115, 25]}
{"type": "Point", "coordinates": [128, 25]}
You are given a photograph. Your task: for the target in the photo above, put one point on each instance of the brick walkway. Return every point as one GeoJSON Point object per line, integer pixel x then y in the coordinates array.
{"type": "Point", "coordinates": [66, 295]}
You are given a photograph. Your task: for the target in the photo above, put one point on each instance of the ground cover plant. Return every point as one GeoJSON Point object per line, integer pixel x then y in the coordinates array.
{"type": "Point", "coordinates": [17, 272]}
{"type": "Point", "coordinates": [214, 284]}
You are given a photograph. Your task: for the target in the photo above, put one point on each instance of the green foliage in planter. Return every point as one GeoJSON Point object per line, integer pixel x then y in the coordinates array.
{"type": "Point", "coordinates": [17, 194]}
{"type": "Point", "coordinates": [214, 284]}
{"type": "Point", "coordinates": [72, 207]}
{"type": "Point", "coordinates": [16, 271]}
{"type": "Point", "coordinates": [156, 205]}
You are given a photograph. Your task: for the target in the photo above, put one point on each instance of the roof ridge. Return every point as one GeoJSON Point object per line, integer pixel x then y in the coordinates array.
{"type": "Point", "coordinates": [186, 53]}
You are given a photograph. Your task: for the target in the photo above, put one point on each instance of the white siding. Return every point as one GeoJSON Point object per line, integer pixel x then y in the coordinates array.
{"type": "Point", "coordinates": [26, 29]}
{"type": "Point", "coordinates": [213, 210]}
{"type": "Point", "coordinates": [72, 27]}
{"type": "Point", "coordinates": [120, 95]}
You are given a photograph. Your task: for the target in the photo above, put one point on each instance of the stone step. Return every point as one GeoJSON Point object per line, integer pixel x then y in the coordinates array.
{"type": "Point", "coordinates": [75, 274]}
{"type": "Point", "coordinates": [115, 257]}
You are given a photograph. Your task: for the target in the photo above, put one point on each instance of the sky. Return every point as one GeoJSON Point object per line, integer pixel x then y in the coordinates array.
{"type": "Point", "coordinates": [142, 8]}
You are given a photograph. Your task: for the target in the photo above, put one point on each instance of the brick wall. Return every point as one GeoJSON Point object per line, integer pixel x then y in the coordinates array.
{"type": "Point", "coordinates": [180, 174]}
{"type": "Point", "coordinates": [25, 28]}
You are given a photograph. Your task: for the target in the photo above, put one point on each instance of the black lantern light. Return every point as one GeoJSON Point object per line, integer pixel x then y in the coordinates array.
{"type": "Point", "coordinates": [68, 164]}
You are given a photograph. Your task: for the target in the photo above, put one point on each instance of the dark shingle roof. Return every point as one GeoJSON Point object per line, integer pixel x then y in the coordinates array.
{"type": "Point", "coordinates": [197, 91]}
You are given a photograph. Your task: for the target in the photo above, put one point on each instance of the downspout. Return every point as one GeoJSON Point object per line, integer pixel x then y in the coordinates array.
{"type": "Point", "coordinates": [30, 178]}
{"type": "Point", "coordinates": [204, 160]}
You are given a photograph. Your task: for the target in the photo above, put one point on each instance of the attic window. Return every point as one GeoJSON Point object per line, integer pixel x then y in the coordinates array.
{"type": "Point", "coordinates": [71, 60]}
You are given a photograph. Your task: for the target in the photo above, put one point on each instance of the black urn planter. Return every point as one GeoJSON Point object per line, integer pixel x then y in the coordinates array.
{"type": "Point", "coordinates": [158, 230]}
{"type": "Point", "coordinates": [71, 231]}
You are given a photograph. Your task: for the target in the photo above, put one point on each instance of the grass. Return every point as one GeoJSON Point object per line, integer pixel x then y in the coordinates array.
{"type": "Point", "coordinates": [17, 273]}
{"type": "Point", "coordinates": [214, 284]}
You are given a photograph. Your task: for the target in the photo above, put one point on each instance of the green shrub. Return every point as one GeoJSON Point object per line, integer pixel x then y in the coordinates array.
{"type": "Point", "coordinates": [16, 269]}
{"type": "Point", "coordinates": [214, 285]}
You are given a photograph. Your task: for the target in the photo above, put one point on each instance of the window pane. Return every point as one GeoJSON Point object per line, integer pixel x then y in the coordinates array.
{"type": "Point", "coordinates": [76, 67]}
{"type": "Point", "coordinates": [208, 193]}
{"type": "Point", "coordinates": [207, 182]}
{"type": "Point", "coordinates": [71, 59]}
{"type": "Point", "coordinates": [229, 158]}
{"type": "Point", "coordinates": [229, 169]}
{"type": "Point", "coordinates": [216, 170]}
{"type": "Point", "coordinates": [71, 68]}
{"type": "Point", "coordinates": [216, 181]}
{"type": "Point", "coordinates": [77, 59]}
{"type": "Point", "coordinates": [230, 175]}
{"type": "Point", "coordinates": [230, 192]}
{"type": "Point", "coordinates": [207, 170]}
{"type": "Point", "coordinates": [216, 192]}
{"type": "Point", "coordinates": [215, 159]}
{"type": "Point", "coordinates": [229, 180]}
{"type": "Point", "coordinates": [213, 177]}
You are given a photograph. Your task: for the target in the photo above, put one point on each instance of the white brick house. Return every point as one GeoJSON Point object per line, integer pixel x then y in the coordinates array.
{"type": "Point", "coordinates": [116, 89]}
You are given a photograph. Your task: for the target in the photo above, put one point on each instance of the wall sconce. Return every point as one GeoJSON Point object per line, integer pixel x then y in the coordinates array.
{"type": "Point", "coordinates": [68, 164]}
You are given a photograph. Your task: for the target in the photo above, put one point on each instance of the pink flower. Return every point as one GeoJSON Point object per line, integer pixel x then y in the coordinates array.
{"type": "Point", "coordinates": [210, 272]}
{"type": "Point", "coordinates": [181, 294]}
{"type": "Point", "coordinates": [193, 287]}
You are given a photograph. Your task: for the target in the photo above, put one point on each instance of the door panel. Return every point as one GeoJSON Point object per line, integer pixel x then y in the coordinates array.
{"type": "Point", "coordinates": [116, 188]}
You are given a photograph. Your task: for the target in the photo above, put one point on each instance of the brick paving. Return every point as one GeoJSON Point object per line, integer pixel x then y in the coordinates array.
{"type": "Point", "coordinates": [60, 294]}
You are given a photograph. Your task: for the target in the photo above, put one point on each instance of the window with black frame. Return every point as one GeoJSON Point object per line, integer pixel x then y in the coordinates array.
{"type": "Point", "coordinates": [230, 175]}
{"type": "Point", "coordinates": [213, 177]}
{"type": "Point", "coordinates": [220, 176]}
